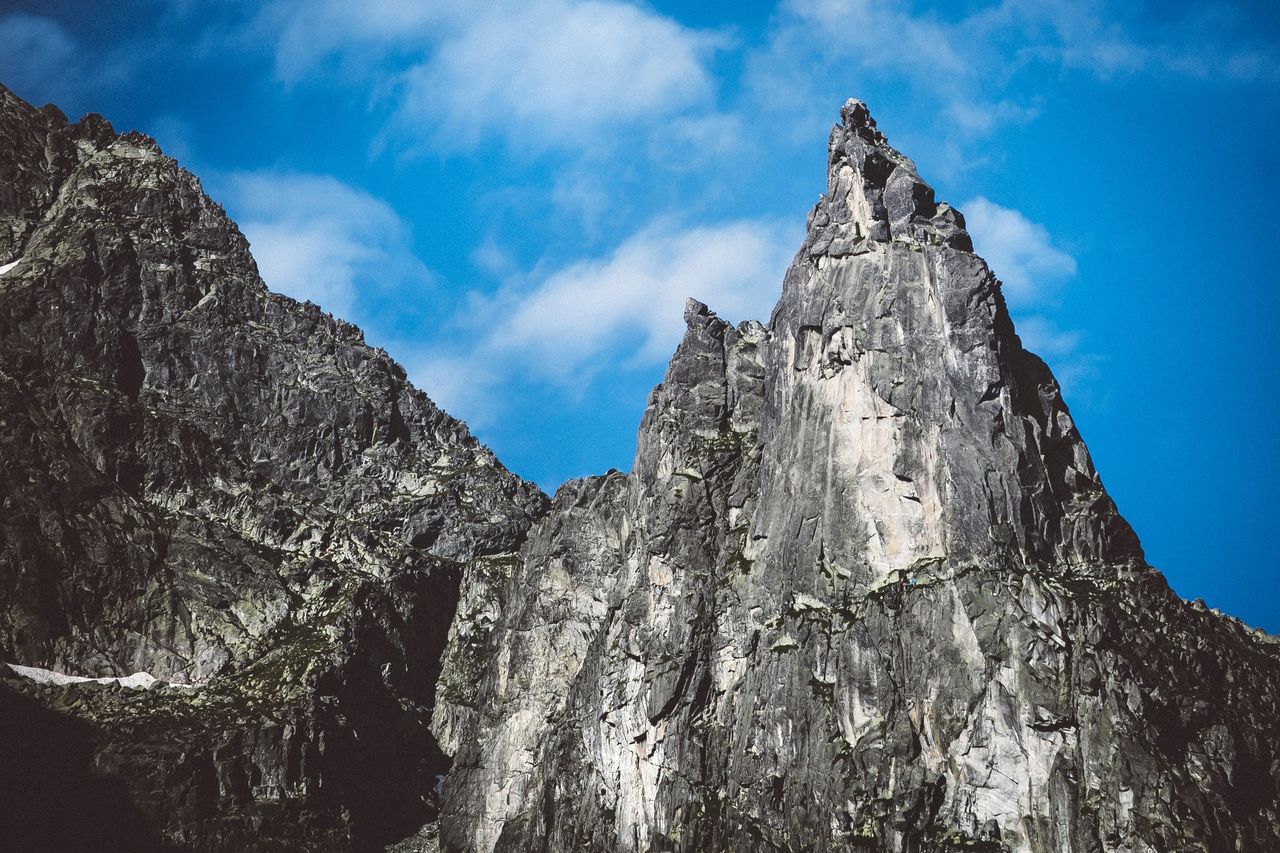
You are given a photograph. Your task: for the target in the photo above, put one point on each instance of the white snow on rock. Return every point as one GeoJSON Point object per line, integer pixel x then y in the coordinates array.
{"type": "Point", "coordinates": [137, 681]}
{"type": "Point", "coordinates": [4, 268]}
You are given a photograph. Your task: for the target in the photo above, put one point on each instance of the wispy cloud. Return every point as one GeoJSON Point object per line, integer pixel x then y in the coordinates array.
{"type": "Point", "coordinates": [537, 74]}
{"type": "Point", "coordinates": [817, 47]}
{"type": "Point", "coordinates": [975, 68]}
{"type": "Point", "coordinates": [1212, 39]}
{"type": "Point", "coordinates": [317, 238]}
{"type": "Point", "coordinates": [305, 35]}
{"type": "Point", "coordinates": [550, 72]}
{"type": "Point", "coordinates": [1072, 364]}
{"type": "Point", "coordinates": [637, 294]}
{"type": "Point", "coordinates": [623, 310]}
{"type": "Point", "coordinates": [1033, 270]}
{"type": "Point", "coordinates": [1020, 252]}
{"type": "Point", "coordinates": [1043, 338]}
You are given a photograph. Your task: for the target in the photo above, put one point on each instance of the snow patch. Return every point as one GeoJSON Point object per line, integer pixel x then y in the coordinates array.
{"type": "Point", "coordinates": [4, 268]}
{"type": "Point", "coordinates": [137, 681]}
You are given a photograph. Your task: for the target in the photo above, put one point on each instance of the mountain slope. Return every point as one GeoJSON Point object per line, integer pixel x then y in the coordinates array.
{"type": "Point", "coordinates": [862, 590]}
{"type": "Point", "coordinates": [223, 488]}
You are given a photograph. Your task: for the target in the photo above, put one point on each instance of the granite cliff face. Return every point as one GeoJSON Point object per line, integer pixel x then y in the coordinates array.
{"type": "Point", "coordinates": [226, 490]}
{"type": "Point", "coordinates": [862, 589]}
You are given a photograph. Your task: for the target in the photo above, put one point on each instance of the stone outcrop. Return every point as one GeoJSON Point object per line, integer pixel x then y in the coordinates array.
{"type": "Point", "coordinates": [227, 490]}
{"type": "Point", "coordinates": [862, 589]}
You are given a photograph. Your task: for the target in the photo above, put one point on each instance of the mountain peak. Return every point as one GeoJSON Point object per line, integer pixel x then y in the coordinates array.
{"type": "Point", "coordinates": [856, 117]}
{"type": "Point", "coordinates": [863, 588]}
{"type": "Point", "coordinates": [226, 490]}
{"type": "Point", "coordinates": [874, 193]}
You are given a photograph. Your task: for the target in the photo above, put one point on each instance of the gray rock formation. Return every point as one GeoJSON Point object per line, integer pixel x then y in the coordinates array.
{"type": "Point", "coordinates": [227, 490]}
{"type": "Point", "coordinates": [863, 589]}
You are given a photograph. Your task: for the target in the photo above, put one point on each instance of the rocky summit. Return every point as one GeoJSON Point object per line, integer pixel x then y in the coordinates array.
{"type": "Point", "coordinates": [862, 589]}
{"type": "Point", "coordinates": [225, 490]}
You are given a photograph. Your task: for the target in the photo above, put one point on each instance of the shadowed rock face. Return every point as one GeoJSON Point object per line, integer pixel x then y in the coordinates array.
{"type": "Point", "coordinates": [226, 489]}
{"type": "Point", "coordinates": [862, 590]}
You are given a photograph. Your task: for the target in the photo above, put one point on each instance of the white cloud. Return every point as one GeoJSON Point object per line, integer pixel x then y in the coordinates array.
{"type": "Point", "coordinates": [585, 191]}
{"type": "Point", "coordinates": [689, 142]}
{"type": "Point", "coordinates": [539, 73]}
{"type": "Point", "coordinates": [976, 67]}
{"type": "Point", "coordinates": [1208, 40]}
{"type": "Point", "coordinates": [308, 33]}
{"type": "Point", "coordinates": [821, 51]}
{"type": "Point", "coordinates": [317, 238]}
{"type": "Point", "coordinates": [1020, 252]}
{"type": "Point", "coordinates": [625, 309]}
{"type": "Point", "coordinates": [492, 258]}
{"type": "Point", "coordinates": [637, 295]}
{"type": "Point", "coordinates": [887, 33]}
{"type": "Point", "coordinates": [1045, 339]}
{"type": "Point", "coordinates": [551, 71]}
{"type": "Point", "coordinates": [1031, 267]}
{"type": "Point", "coordinates": [1061, 350]}
{"type": "Point", "coordinates": [1080, 34]}
{"type": "Point", "coordinates": [464, 385]}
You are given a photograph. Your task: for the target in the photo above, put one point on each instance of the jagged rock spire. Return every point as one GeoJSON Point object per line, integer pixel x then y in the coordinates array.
{"type": "Point", "coordinates": [945, 437]}
{"type": "Point", "coordinates": [863, 589]}
{"type": "Point", "coordinates": [874, 193]}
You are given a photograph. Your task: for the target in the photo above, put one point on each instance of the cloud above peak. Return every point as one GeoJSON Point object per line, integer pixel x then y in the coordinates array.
{"type": "Point", "coordinates": [634, 296]}
{"type": "Point", "coordinates": [539, 74]}
{"type": "Point", "coordinates": [564, 327]}
{"type": "Point", "coordinates": [980, 67]}
{"type": "Point", "coordinates": [1020, 252]}
{"type": "Point", "coordinates": [315, 237]}
{"type": "Point", "coordinates": [554, 70]}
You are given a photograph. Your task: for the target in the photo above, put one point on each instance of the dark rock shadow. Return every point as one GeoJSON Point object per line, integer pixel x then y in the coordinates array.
{"type": "Point", "coordinates": [51, 797]}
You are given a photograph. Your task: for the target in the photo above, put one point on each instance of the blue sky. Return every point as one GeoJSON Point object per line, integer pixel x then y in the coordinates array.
{"type": "Point", "coordinates": [515, 198]}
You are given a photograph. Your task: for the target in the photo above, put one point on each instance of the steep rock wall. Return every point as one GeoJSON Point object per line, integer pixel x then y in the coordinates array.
{"type": "Point", "coordinates": [863, 590]}
{"type": "Point", "coordinates": [226, 489]}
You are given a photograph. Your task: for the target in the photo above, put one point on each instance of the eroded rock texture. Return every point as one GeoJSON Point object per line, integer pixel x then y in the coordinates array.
{"type": "Point", "coordinates": [862, 590]}
{"type": "Point", "coordinates": [226, 489]}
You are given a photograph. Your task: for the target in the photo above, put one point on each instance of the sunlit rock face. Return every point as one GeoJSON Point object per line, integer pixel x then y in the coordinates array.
{"type": "Point", "coordinates": [863, 589]}
{"type": "Point", "coordinates": [215, 486]}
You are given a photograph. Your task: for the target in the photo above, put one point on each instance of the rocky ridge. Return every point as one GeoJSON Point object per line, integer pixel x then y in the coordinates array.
{"type": "Point", "coordinates": [226, 490]}
{"type": "Point", "coordinates": [862, 589]}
